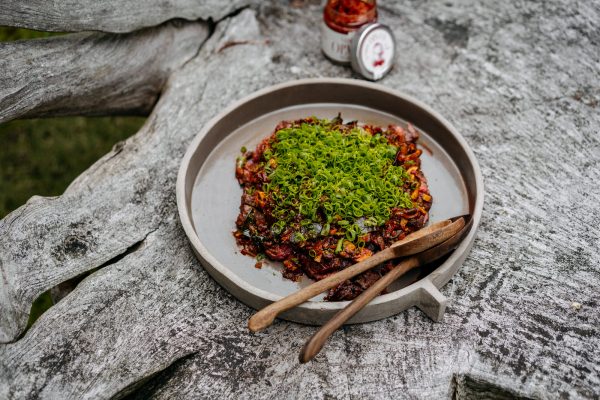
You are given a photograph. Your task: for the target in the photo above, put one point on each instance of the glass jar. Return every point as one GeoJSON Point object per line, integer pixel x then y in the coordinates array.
{"type": "Point", "coordinates": [341, 20]}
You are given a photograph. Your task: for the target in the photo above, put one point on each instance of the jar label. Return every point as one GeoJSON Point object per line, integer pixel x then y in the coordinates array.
{"type": "Point", "coordinates": [336, 45]}
{"type": "Point", "coordinates": [377, 52]}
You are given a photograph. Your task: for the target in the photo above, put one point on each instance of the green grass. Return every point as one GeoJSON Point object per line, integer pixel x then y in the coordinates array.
{"type": "Point", "coordinates": [8, 34]}
{"type": "Point", "coordinates": [39, 306]}
{"type": "Point", "coordinates": [43, 156]}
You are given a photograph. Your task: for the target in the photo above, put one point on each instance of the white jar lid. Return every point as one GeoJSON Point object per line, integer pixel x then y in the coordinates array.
{"type": "Point", "coordinates": [373, 51]}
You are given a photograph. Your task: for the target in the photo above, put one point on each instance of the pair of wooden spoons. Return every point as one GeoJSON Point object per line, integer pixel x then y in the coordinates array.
{"type": "Point", "coordinates": [425, 245]}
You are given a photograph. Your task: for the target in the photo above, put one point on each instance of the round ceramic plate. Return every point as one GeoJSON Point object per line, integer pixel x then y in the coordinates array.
{"type": "Point", "coordinates": [208, 194]}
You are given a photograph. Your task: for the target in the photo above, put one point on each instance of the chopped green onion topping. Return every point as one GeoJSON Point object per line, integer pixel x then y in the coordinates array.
{"type": "Point", "coordinates": [334, 178]}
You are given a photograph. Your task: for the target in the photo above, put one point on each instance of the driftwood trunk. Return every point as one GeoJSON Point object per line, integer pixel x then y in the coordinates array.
{"type": "Point", "coordinates": [519, 80]}
{"type": "Point", "coordinates": [94, 73]}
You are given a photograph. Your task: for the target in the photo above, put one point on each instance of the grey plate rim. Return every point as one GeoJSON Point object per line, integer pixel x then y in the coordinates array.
{"type": "Point", "coordinates": [423, 293]}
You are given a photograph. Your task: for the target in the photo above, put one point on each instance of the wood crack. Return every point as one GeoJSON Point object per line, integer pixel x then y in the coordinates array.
{"type": "Point", "coordinates": [468, 387]}
{"type": "Point", "coordinates": [61, 290]}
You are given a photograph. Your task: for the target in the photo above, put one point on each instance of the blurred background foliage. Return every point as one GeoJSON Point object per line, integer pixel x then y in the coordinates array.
{"type": "Point", "coordinates": [43, 156]}
{"type": "Point", "coordinates": [8, 34]}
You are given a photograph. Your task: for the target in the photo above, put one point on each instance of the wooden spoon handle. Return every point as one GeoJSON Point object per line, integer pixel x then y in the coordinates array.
{"type": "Point", "coordinates": [316, 342]}
{"type": "Point", "coordinates": [415, 242]}
{"type": "Point", "coordinates": [266, 316]}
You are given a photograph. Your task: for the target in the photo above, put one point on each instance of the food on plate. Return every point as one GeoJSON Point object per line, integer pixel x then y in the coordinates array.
{"type": "Point", "coordinates": [320, 195]}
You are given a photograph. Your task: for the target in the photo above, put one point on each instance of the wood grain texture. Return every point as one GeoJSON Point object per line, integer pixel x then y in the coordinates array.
{"type": "Point", "coordinates": [93, 73]}
{"type": "Point", "coordinates": [316, 342]}
{"type": "Point", "coordinates": [519, 80]}
{"type": "Point", "coordinates": [109, 15]}
{"type": "Point", "coordinates": [94, 220]}
{"type": "Point", "coordinates": [118, 311]}
{"type": "Point", "coordinates": [531, 116]}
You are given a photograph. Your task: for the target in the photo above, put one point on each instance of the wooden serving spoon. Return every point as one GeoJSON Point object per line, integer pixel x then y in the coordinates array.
{"type": "Point", "coordinates": [414, 243]}
{"type": "Point", "coordinates": [316, 342]}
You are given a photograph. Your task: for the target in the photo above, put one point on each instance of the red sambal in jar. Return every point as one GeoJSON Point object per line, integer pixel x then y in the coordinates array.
{"type": "Point", "coordinates": [342, 18]}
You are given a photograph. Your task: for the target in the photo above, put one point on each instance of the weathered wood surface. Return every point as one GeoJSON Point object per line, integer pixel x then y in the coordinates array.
{"type": "Point", "coordinates": [519, 80]}
{"type": "Point", "coordinates": [94, 220]}
{"type": "Point", "coordinates": [117, 16]}
{"type": "Point", "coordinates": [93, 73]}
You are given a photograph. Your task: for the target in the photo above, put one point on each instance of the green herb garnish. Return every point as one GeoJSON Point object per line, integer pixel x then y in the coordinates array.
{"type": "Point", "coordinates": [342, 179]}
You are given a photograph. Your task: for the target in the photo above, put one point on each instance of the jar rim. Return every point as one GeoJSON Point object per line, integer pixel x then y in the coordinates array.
{"type": "Point", "coordinates": [341, 19]}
